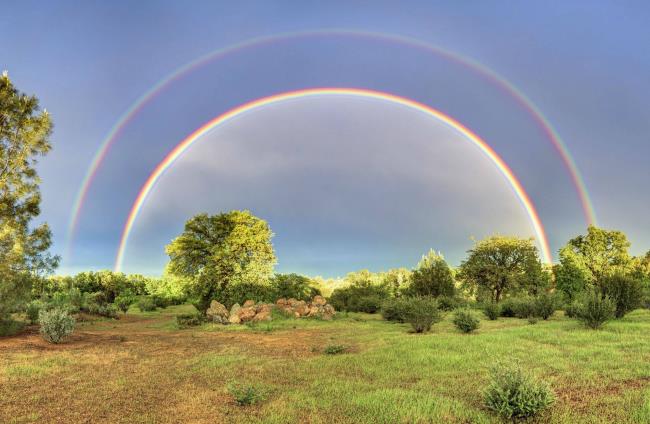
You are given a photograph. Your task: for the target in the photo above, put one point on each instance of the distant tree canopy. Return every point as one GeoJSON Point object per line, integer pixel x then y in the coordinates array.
{"type": "Point", "coordinates": [432, 277]}
{"type": "Point", "coordinates": [24, 136]}
{"type": "Point", "coordinates": [586, 259]}
{"type": "Point", "coordinates": [499, 266]}
{"type": "Point", "coordinates": [225, 257]}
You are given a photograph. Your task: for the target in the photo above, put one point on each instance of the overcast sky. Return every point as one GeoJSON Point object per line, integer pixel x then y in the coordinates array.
{"type": "Point", "coordinates": [346, 183]}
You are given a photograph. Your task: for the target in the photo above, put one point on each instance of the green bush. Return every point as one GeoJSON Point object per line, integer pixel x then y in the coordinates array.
{"type": "Point", "coordinates": [334, 349]}
{"type": "Point", "coordinates": [146, 304]}
{"type": "Point", "coordinates": [394, 309]}
{"type": "Point", "coordinates": [448, 303]}
{"type": "Point", "coordinates": [532, 320]}
{"type": "Point", "coordinates": [32, 309]}
{"type": "Point", "coordinates": [508, 307]}
{"type": "Point", "coordinates": [9, 327]}
{"type": "Point", "coordinates": [294, 286]}
{"type": "Point", "coordinates": [525, 308]}
{"type": "Point", "coordinates": [625, 291]}
{"type": "Point", "coordinates": [571, 310]}
{"type": "Point", "coordinates": [465, 320]}
{"type": "Point", "coordinates": [245, 394]}
{"type": "Point", "coordinates": [56, 324]}
{"type": "Point", "coordinates": [514, 395]}
{"type": "Point", "coordinates": [595, 310]}
{"type": "Point", "coordinates": [492, 310]}
{"type": "Point", "coordinates": [545, 305]}
{"type": "Point", "coordinates": [189, 320]}
{"type": "Point", "coordinates": [361, 297]}
{"type": "Point", "coordinates": [367, 304]}
{"type": "Point", "coordinates": [422, 313]}
{"type": "Point", "coordinates": [124, 301]}
{"type": "Point", "coordinates": [102, 310]}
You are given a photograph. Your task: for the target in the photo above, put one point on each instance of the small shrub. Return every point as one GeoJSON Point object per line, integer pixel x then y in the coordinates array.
{"type": "Point", "coordinates": [532, 320]}
{"type": "Point", "coordinates": [124, 301]}
{"type": "Point", "coordinates": [32, 309]}
{"type": "Point", "coordinates": [334, 349]}
{"type": "Point", "coordinates": [571, 310]}
{"type": "Point", "coordinates": [103, 310]}
{"type": "Point", "coordinates": [626, 292]}
{"type": "Point", "coordinates": [447, 303]}
{"type": "Point", "coordinates": [492, 311]}
{"type": "Point", "coordinates": [189, 320]}
{"type": "Point", "coordinates": [524, 308]}
{"type": "Point", "coordinates": [595, 310]}
{"type": "Point", "coordinates": [422, 313]}
{"type": "Point", "coordinates": [245, 394]}
{"type": "Point", "coordinates": [515, 395]}
{"type": "Point", "coordinates": [368, 304]}
{"type": "Point", "coordinates": [146, 304]}
{"type": "Point", "coordinates": [9, 327]}
{"type": "Point", "coordinates": [161, 301]}
{"type": "Point", "coordinates": [545, 305]}
{"type": "Point", "coordinates": [508, 307]}
{"type": "Point", "coordinates": [465, 320]}
{"type": "Point", "coordinates": [56, 324]}
{"type": "Point", "coordinates": [394, 309]}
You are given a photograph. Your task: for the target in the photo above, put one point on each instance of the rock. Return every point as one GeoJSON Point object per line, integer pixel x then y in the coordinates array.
{"type": "Point", "coordinates": [234, 319]}
{"type": "Point", "coordinates": [301, 308]}
{"type": "Point", "coordinates": [292, 302]}
{"type": "Point", "coordinates": [314, 311]}
{"type": "Point", "coordinates": [246, 313]}
{"type": "Point", "coordinates": [249, 303]}
{"type": "Point", "coordinates": [217, 313]}
{"type": "Point", "coordinates": [319, 300]}
{"type": "Point", "coordinates": [281, 302]}
{"type": "Point", "coordinates": [328, 312]}
{"type": "Point", "coordinates": [234, 309]}
{"type": "Point", "coordinates": [264, 315]}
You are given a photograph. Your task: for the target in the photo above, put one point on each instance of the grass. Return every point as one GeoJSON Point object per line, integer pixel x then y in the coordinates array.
{"type": "Point", "coordinates": [142, 369]}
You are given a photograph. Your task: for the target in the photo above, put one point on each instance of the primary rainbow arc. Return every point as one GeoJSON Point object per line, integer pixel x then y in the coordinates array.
{"type": "Point", "coordinates": [184, 145]}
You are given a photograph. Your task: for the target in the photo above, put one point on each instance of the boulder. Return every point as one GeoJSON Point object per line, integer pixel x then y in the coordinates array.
{"type": "Point", "coordinates": [249, 303]}
{"type": "Point", "coordinates": [328, 312]}
{"type": "Point", "coordinates": [314, 311]}
{"type": "Point", "coordinates": [217, 313]}
{"type": "Point", "coordinates": [264, 315]}
{"type": "Point", "coordinates": [246, 313]}
{"type": "Point", "coordinates": [301, 308]}
{"type": "Point", "coordinates": [319, 300]}
{"type": "Point", "coordinates": [234, 309]}
{"type": "Point", "coordinates": [281, 302]}
{"type": "Point", "coordinates": [234, 319]}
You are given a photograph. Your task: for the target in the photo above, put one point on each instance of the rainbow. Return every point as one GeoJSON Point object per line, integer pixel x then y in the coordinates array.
{"type": "Point", "coordinates": [184, 145]}
{"type": "Point", "coordinates": [474, 66]}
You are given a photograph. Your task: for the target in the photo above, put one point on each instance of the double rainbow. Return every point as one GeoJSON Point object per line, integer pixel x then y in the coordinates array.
{"type": "Point", "coordinates": [184, 145]}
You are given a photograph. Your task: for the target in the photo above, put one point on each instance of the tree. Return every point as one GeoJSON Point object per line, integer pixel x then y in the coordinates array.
{"type": "Point", "coordinates": [498, 266]}
{"type": "Point", "coordinates": [223, 257]}
{"type": "Point", "coordinates": [24, 136]}
{"type": "Point", "coordinates": [624, 290]}
{"type": "Point", "coordinates": [432, 277]}
{"type": "Point", "coordinates": [588, 258]}
{"type": "Point", "coordinates": [294, 286]}
{"type": "Point", "coordinates": [397, 280]}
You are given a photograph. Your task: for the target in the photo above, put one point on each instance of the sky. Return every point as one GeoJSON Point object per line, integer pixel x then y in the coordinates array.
{"type": "Point", "coordinates": [346, 183]}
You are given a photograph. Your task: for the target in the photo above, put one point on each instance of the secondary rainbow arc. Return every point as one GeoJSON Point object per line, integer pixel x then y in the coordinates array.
{"type": "Point", "coordinates": [496, 79]}
{"type": "Point", "coordinates": [184, 145]}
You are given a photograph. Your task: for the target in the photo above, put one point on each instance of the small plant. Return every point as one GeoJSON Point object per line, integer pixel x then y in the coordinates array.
{"type": "Point", "coordinates": [32, 310]}
{"type": "Point", "coordinates": [595, 310]}
{"type": "Point", "coordinates": [124, 301]}
{"type": "Point", "coordinates": [532, 320]}
{"type": "Point", "coordinates": [507, 308]}
{"type": "Point", "coordinates": [245, 394]}
{"type": "Point", "coordinates": [545, 305]}
{"type": "Point", "coordinates": [189, 320]}
{"type": "Point", "coordinates": [9, 327]}
{"type": "Point", "coordinates": [514, 394]}
{"type": "Point", "coordinates": [334, 349]}
{"type": "Point", "coordinates": [571, 310]}
{"type": "Point", "coordinates": [56, 324]}
{"type": "Point", "coordinates": [422, 313]}
{"type": "Point", "coordinates": [394, 309]}
{"type": "Point", "coordinates": [492, 311]}
{"type": "Point", "coordinates": [465, 320]}
{"type": "Point", "coordinates": [103, 310]}
{"type": "Point", "coordinates": [146, 304]}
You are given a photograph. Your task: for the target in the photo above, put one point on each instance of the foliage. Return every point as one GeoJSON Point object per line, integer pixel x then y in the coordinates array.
{"type": "Point", "coordinates": [146, 304]}
{"type": "Point", "coordinates": [10, 327]}
{"type": "Point", "coordinates": [625, 291]}
{"type": "Point", "coordinates": [189, 320]}
{"type": "Point", "coordinates": [532, 320]}
{"type": "Point", "coordinates": [56, 324]}
{"type": "Point", "coordinates": [514, 394]}
{"type": "Point", "coordinates": [594, 310]}
{"type": "Point", "coordinates": [571, 309]}
{"type": "Point", "coordinates": [448, 303]}
{"type": "Point", "coordinates": [396, 280]}
{"type": "Point", "coordinates": [498, 266]}
{"type": "Point", "coordinates": [293, 286]}
{"type": "Point", "coordinates": [466, 320]}
{"type": "Point", "coordinates": [245, 394]}
{"type": "Point", "coordinates": [365, 293]}
{"type": "Point", "coordinates": [432, 277]}
{"type": "Point", "coordinates": [545, 305]}
{"type": "Point", "coordinates": [125, 300]}
{"type": "Point", "coordinates": [107, 310]}
{"type": "Point", "coordinates": [588, 258]}
{"type": "Point", "coordinates": [394, 309]}
{"type": "Point", "coordinates": [32, 310]}
{"type": "Point", "coordinates": [421, 313]}
{"type": "Point", "coordinates": [24, 136]}
{"type": "Point", "coordinates": [334, 349]}
{"type": "Point", "coordinates": [492, 310]}
{"type": "Point", "coordinates": [214, 254]}
{"type": "Point", "coordinates": [169, 287]}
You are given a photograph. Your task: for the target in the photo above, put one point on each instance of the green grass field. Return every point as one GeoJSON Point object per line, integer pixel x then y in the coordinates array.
{"type": "Point", "coordinates": [142, 369]}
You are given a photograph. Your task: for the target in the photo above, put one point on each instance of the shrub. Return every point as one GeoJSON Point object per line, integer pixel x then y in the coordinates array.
{"type": "Point", "coordinates": [9, 327]}
{"type": "Point", "coordinates": [368, 304]}
{"type": "Point", "coordinates": [334, 349]}
{"type": "Point", "coordinates": [124, 301]}
{"type": "Point", "coordinates": [508, 307]}
{"type": "Point", "coordinates": [525, 308]}
{"type": "Point", "coordinates": [245, 394]}
{"type": "Point", "coordinates": [421, 313]}
{"type": "Point", "coordinates": [626, 292]}
{"type": "Point", "coordinates": [447, 303]}
{"type": "Point", "coordinates": [571, 310]}
{"type": "Point", "coordinates": [360, 297]}
{"type": "Point", "coordinates": [532, 320]}
{"type": "Point", "coordinates": [595, 310]}
{"type": "Point", "coordinates": [293, 286]}
{"type": "Point", "coordinates": [146, 304]}
{"type": "Point", "coordinates": [515, 395]}
{"type": "Point", "coordinates": [432, 277]}
{"type": "Point", "coordinates": [32, 309]}
{"type": "Point", "coordinates": [545, 305]}
{"type": "Point", "coordinates": [102, 310]}
{"type": "Point", "coordinates": [395, 309]}
{"type": "Point", "coordinates": [465, 320]}
{"type": "Point", "coordinates": [492, 310]}
{"type": "Point", "coordinates": [56, 324]}
{"type": "Point", "coordinates": [189, 320]}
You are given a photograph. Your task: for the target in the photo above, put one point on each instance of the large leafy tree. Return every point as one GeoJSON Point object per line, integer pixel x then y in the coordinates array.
{"type": "Point", "coordinates": [498, 266]}
{"type": "Point", "coordinates": [225, 257]}
{"type": "Point", "coordinates": [432, 277]}
{"type": "Point", "coordinates": [587, 259]}
{"type": "Point", "coordinates": [24, 137]}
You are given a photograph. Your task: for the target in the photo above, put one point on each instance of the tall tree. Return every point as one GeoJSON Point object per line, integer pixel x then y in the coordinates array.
{"type": "Point", "coordinates": [24, 137]}
{"type": "Point", "coordinates": [586, 259]}
{"type": "Point", "coordinates": [498, 266]}
{"type": "Point", "coordinates": [223, 257]}
{"type": "Point", "coordinates": [432, 277]}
